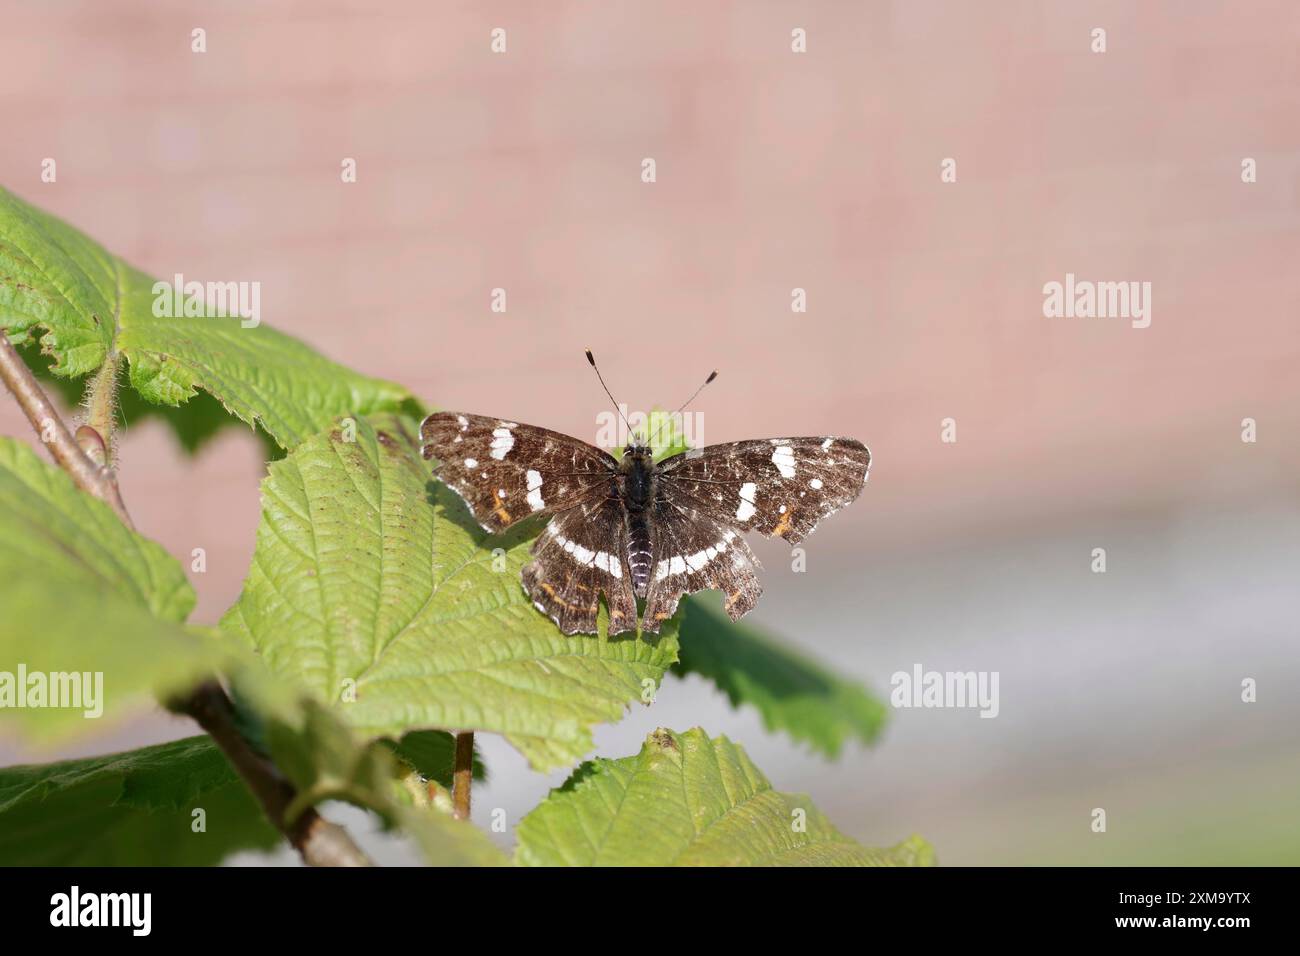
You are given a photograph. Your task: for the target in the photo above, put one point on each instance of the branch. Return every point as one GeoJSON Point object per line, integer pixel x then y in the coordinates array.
{"type": "Point", "coordinates": [320, 842]}
{"type": "Point", "coordinates": [462, 777]}
{"type": "Point", "coordinates": [91, 478]}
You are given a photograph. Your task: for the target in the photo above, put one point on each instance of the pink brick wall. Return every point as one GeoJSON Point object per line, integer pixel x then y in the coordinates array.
{"type": "Point", "coordinates": [775, 170]}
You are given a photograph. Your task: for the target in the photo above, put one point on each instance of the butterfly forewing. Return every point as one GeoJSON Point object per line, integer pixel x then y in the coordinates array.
{"type": "Point", "coordinates": [781, 487]}
{"type": "Point", "coordinates": [506, 471]}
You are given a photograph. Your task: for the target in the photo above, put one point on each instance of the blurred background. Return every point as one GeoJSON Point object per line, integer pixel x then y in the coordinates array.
{"type": "Point", "coordinates": [775, 171]}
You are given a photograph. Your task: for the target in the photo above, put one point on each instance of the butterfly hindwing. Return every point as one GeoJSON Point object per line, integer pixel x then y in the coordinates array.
{"type": "Point", "coordinates": [781, 487]}
{"type": "Point", "coordinates": [506, 471]}
{"type": "Point", "coordinates": [693, 553]}
{"type": "Point", "coordinates": [579, 555]}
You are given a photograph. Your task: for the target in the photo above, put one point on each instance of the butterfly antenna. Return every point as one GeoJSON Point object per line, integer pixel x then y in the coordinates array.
{"type": "Point", "coordinates": [618, 408]}
{"type": "Point", "coordinates": [681, 408]}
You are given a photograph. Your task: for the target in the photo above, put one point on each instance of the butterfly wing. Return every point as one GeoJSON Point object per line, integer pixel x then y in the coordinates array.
{"type": "Point", "coordinates": [506, 471]}
{"type": "Point", "coordinates": [579, 556]}
{"type": "Point", "coordinates": [694, 553]}
{"type": "Point", "coordinates": [780, 487]}
{"type": "Point", "coordinates": [706, 499]}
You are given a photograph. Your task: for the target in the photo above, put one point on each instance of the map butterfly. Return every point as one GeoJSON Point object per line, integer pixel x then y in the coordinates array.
{"type": "Point", "coordinates": [630, 528]}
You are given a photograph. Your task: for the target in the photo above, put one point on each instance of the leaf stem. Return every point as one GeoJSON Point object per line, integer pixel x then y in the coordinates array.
{"type": "Point", "coordinates": [101, 408]}
{"type": "Point", "coordinates": [462, 778]}
{"type": "Point", "coordinates": [319, 842]}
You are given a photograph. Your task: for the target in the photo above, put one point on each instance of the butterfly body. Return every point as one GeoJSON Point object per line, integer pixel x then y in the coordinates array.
{"type": "Point", "coordinates": [634, 528]}
{"type": "Point", "coordinates": [637, 496]}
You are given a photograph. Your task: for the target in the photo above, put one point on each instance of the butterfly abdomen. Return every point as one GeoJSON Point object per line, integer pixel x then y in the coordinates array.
{"type": "Point", "coordinates": [639, 551]}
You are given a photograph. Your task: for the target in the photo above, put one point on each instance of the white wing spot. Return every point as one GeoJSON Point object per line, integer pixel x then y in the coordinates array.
{"type": "Point", "coordinates": [535, 490]}
{"type": "Point", "coordinates": [607, 562]}
{"type": "Point", "coordinates": [826, 445]}
{"type": "Point", "coordinates": [463, 422]}
{"type": "Point", "coordinates": [502, 442]}
{"type": "Point", "coordinates": [745, 510]}
{"type": "Point", "coordinates": [815, 484]}
{"type": "Point", "coordinates": [783, 458]}
{"type": "Point", "coordinates": [471, 462]}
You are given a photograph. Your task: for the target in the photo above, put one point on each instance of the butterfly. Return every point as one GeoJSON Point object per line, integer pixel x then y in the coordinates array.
{"type": "Point", "coordinates": [632, 528]}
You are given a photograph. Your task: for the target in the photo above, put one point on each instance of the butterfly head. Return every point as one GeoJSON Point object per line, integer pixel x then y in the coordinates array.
{"type": "Point", "coordinates": [637, 447]}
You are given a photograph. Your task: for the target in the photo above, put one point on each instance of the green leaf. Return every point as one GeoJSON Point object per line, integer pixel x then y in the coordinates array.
{"type": "Point", "coordinates": [446, 841]}
{"type": "Point", "coordinates": [83, 594]}
{"type": "Point", "coordinates": [688, 800]}
{"type": "Point", "coordinates": [259, 375]}
{"type": "Point", "coordinates": [373, 587]}
{"type": "Point", "coordinates": [90, 304]}
{"type": "Point", "coordinates": [192, 424]}
{"type": "Point", "coordinates": [792, 693]}
{"type": "Point", "coordinates": [129, 809]}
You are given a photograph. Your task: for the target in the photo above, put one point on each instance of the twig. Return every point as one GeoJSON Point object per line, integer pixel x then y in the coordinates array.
{"type": "Point", "coordinates": [320, 842]}
{"type": "Point", "coordinates": [462, 777]}
{"type": "Point", "coordinates": [88, 476]}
